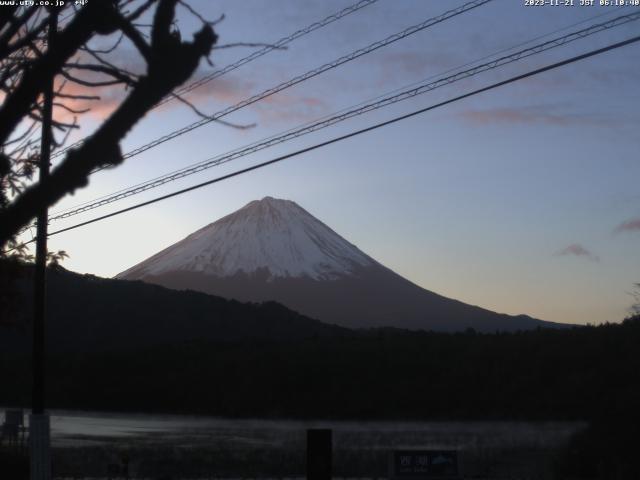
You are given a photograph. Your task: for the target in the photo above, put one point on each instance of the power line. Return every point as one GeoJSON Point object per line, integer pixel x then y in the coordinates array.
{"type": "Point", "coordinates": [301, 78]}
{"type": "Point", "coordinates": [277, 45]}
{"type": "Point", "coordinates": [251, 57]}
{"type": "Point", "coordinates": [377, 97]}
{"type": "Point", "coordinates": [392, 38]}
{"type": "Point", "coordinates": [332, 120]}
{"type": "Point", "coordinates": [358, 132]}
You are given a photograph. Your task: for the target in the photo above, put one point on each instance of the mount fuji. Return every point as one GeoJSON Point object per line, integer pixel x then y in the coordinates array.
{"type": "Point", "coordinates": [273, 249]}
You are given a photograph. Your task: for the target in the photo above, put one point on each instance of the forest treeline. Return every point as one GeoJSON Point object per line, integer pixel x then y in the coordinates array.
{"type": "Point", "coordinates": [130, 346]}
{"type": "Point", "coordinates": [580, 373]}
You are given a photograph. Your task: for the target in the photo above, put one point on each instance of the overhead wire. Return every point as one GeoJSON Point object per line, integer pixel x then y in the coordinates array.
{"type": "Point", "coordinates": [312, 73]}
{"type": "Point", "coordinates": [364, 102]}
{"type": "Point", "coordinates": [279, 44]}
{"type": "Point", "coordinates": [268, 48]}
{"type": "Point", "coordinates": [422, 88]}
{"type": "Point", "coordinates": [493, 86]}
{"type": "Point", "coordinates": [303, 77]}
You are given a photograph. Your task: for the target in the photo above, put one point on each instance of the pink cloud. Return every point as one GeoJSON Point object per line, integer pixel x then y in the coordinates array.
{"type": "Point", "coordinates": [110, 98]}
{"type": "Point", "coordinates": [225, 90]}
{"type": "Point", "coordinates": [632, 225]}
{"type": "Point", "coordinates": [524, 116]}
{"type": "Point", "coordinates": [287, 107]}
{"type": "Point", "coordinates": [577, 250]}
{"type": "Point", "coordinates": [281, 107]}
{"type": "Point", "coordinates": [228, 89]}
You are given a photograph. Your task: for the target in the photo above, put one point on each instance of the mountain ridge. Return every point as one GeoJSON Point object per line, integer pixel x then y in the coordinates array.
{"type": "Point", "coordinates": [273, 249]}
{"type": "Point", "coordinates": [286, 247]}
{"type": "Point", "coordinates": [90, 313]}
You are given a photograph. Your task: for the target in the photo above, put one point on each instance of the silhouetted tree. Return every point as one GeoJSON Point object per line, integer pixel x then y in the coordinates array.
{"type": "Point", "coordinates": [28, 63]}
{"type": "Point", "coordinates": [635, 308]}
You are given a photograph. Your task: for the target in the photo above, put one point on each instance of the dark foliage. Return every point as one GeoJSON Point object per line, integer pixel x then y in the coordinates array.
{"type": "Point", "coordinates": [606, 450]}
{"type": "Point", "coordinates": [41, 46]}
{"type": "Point", "coordinates": [584, 373]}
{"type": "Point", "coordinates": [88, 313]}
{"type": "Point", "coordinates": [129, 346]}
{"type": "Point", "coordinates": [14, 464]}
{"type": "Point", "coordinates": [119, 345]}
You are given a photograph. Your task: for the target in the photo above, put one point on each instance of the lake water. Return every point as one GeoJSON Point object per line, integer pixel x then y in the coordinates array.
{"type": "Point", "coordinates": [277, 447]}
{"type": "Point", "coordinates": [73, 428]}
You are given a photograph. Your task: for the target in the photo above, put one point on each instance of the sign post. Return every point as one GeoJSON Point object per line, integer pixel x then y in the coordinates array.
{"type": "Point", "coordinates": [319, 459]}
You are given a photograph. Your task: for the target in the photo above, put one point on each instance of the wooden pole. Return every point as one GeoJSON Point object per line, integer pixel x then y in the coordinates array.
{"type": "Point", "coordinates": [39, 430]}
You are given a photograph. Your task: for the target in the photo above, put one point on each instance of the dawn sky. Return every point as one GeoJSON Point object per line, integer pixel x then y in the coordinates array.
{"type": "Point", "coordinates": [524, 199]}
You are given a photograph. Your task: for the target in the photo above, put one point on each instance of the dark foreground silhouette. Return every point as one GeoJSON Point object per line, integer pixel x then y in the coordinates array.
{"type": "Point", "coordinates": [266, 361]}
{"type": "Point", "coordinates": [129, 346]}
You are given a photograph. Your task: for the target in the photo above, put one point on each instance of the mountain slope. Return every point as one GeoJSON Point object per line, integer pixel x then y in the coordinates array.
{"type": "Point", "coordinates": [275, 250]}
{"type": "Point", "coordinates": [271, 234]}
{"type": "Point", "coordinates": [88, 313]}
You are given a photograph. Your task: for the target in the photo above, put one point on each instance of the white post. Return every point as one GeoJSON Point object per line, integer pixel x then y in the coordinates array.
{"type": "Point", "coordinates": [39, 441]}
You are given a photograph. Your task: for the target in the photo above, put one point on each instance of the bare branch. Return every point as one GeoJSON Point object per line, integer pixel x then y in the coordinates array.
{"type": "Point", "coordinates": [62, 126]}
{"type": "Point", "coordinates": [105, 62]}
{"type": "Point", "coordinates": [106, 50]}
{"type": "Point", "coordinates": [69, 109]}
{"type": "Point", "coordinates": [89, 83]}
{"type": "Point", "coordinates": [19, 139]}
{"type": "Point", "coordinates": [15, 25]}
{"type": "Point", "coordinates": [77, 97]}
{"type": "Point", "coordinates": [140, 10]}
{"type": "Point", "coordinates": [78, 32]}
{"type": "Point", "coordinates": [116, 73]}
{"type": "Point", "coordinates": [204, 115]}
{"type": "Point", "coordinates": [135, 36]}
{"type": "Point", "coordinates": [200, 17]}
{"type": "Point", "coordinates": [24, 41]}
{"type": "Point", "coordinates": [56, 143]}
{"type": "Point", "coordinates": [171, 63]}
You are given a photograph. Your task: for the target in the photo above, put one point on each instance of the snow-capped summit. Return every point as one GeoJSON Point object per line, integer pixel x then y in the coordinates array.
{"type": "Point", "coordinates": [273, 249]}
{"type": "Point", "coordinates": [269, 235]}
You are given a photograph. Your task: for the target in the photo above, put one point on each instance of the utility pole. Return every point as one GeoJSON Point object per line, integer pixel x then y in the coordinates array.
{"type": "Point", "coordinates": [39, 425]}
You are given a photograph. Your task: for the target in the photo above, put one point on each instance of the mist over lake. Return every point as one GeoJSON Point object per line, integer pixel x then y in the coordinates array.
{"type": "Point", "coordinates": [86, 442]}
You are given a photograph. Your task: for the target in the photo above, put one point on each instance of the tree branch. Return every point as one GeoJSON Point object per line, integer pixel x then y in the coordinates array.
{"type": "Point", "coordinates": [16, 24]}
{"type": "Point", "coordinates": [89, 83]}
{"type": "Point", "coordinates": [77, 33]}
{"type": "Point", "coordinates": [172, 63]}
{"type": "Point", "coordinates": [116, 73]}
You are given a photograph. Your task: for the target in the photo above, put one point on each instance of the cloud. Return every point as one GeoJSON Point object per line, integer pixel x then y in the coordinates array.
{"type": "Point", "coordinates": [110, 98]}
{"type": "Point", "coordinates": [615, 76]}
{"type": "Point", "coordinates": [527, 116]}
{"type": "Point", "coordinates": [632, 225]}
{"type": "Point", "coordinates": [220, 92]}
{"type": "Point", "coordinates": [288, 107]}
{"type": "Point", "coordinates": [227, 89]}
{"type": "Point", "coordinates": [414, 62]}
{"type": "Point", "coordinates": [399, 66]}
{"type": "Point", "coordinates": [577, 250]}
